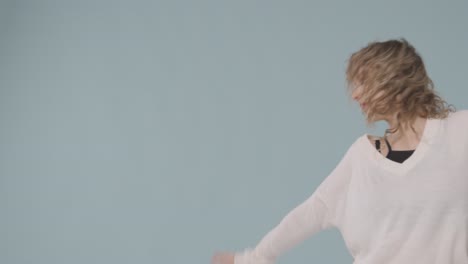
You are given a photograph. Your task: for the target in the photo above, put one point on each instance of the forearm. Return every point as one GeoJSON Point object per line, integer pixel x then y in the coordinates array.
{"type": "Point", "coordinates": [303, 221]}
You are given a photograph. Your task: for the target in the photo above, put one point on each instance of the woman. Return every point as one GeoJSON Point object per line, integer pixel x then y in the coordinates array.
{"type": "Point", "coordinates": [401, 198]}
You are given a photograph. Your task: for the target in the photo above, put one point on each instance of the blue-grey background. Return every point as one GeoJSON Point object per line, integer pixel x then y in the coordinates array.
{"type": "Point", "coordinates": [163, 131]}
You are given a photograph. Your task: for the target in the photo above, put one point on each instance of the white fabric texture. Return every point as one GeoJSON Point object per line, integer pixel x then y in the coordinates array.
{"type": "Point", "coordinates": [387, 212]}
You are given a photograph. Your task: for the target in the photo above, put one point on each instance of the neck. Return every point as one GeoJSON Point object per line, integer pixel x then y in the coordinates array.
{"type": "Point", "coordinates": [405, 137]}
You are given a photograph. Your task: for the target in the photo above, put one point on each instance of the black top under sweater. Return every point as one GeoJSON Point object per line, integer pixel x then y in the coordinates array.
{"type": "Point", "coordinates": [395, 155]}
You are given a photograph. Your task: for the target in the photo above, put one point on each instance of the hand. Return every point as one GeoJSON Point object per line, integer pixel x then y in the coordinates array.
{"type": "Point", "coordinates": [222, 258]}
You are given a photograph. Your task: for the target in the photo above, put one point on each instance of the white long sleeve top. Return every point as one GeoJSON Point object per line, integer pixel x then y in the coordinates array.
{"type": "Point", "coordinates": [388, 212]}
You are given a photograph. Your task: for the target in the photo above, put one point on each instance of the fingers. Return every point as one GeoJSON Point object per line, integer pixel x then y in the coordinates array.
{"type": "Point", "coordinates": [222, 258]}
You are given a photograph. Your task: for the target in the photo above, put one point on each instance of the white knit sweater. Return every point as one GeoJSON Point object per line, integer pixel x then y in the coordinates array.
{"type": "Point", "coordinates": [388, 212]}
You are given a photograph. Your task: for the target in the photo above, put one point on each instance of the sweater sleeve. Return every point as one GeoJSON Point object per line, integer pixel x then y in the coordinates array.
{"type": "Point", "coordinates": [311, 216]}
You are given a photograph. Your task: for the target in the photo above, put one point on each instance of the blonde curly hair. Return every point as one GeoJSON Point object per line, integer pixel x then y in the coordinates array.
{"type": "Point", "coordinates": [395, 83]}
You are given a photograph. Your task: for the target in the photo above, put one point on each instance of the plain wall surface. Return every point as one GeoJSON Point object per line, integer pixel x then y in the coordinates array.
{"type": "Point", "coordinates": [162, 131]}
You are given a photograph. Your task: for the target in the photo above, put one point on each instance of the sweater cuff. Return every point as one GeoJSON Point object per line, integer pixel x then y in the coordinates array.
{"type": "Point", "coordinates": [249, 256]}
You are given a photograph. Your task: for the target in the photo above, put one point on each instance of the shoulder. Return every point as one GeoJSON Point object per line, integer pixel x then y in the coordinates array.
{"type": "Point", "coordinates": [357, 147]}
{"type": "Point", "coordinates": [455, 127]}
{"type": "Point", "coordinates": [367, 139]}
{"type": "Point", "coordinates": [460, 116]}
{"type": "Point", "coordinates": [373, 138]}
{"type": "Point", "coordinates": [458, 120]}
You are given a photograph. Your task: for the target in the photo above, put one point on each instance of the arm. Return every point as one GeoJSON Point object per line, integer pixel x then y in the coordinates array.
{"type": "Point", "coordinates": [302, 222]}
{"type": "Point", "coordinates": [311, 216]}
